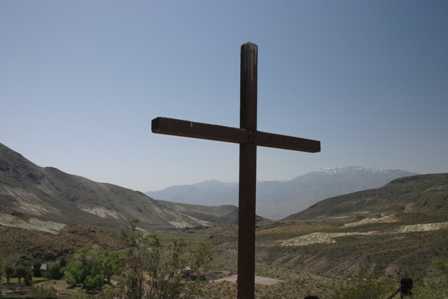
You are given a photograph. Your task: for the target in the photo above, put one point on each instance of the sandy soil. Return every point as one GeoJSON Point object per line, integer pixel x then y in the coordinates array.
{"type": "Point", "coordinates": [258, 280]}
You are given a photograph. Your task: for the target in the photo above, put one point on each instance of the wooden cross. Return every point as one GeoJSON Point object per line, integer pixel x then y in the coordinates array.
{"type": "Point", "coordinates": [248, 138]}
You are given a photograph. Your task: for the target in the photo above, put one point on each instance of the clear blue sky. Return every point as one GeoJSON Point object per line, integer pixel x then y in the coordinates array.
{"type": "Point", "coordinates": [81, 80]}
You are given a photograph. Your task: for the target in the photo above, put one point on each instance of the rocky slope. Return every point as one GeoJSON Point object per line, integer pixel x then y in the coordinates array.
{"type": "Point", "coordinates": [399, 229]}
{"type": "Point", "coordinates": [47, 199]}
{"type": "Point", "coordinates": [423, 196]}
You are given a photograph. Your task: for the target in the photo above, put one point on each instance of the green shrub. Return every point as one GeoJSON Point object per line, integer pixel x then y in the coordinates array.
{"type": "Point", "coordinates": [94, 281]}
{"type": "Point", "coordinates": [74, 272]}
{"type": "Point", "coordinates": [435, 283]}
{"type": "Point", "coordinates": [361, 288]}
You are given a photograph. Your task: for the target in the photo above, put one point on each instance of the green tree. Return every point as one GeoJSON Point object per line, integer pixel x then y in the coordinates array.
{"type": "Point", "coordinates": [75, 272]}
{"type": "Point", "coordinates": [9, 272]}
{"type": "Point", "coordinates": [110, 264]}
{"type": "Point", "coordinates": [155, 270]}
{"type": "Point", "coordinates": [23, 269]}
{"type": "Point", "coordinates": [132, 282]}
{"type": "Point", "coordinates": [9, 265]}
{"type": "Point", "coordinates": [201, 257]}
{"type": "Point", "coordinates": [92, 268]}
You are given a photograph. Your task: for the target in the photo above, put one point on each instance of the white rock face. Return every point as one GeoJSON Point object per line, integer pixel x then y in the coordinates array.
{"type": "Point", "coordinates": [423, 227]}
{"type": "Point", "coordinates": [181, 224]}
{"type": "Point", "coordinates": [102, 212]}
{"type": "Point", "coordinates": [25, 201]}
{"type": "Point", "coordinates": [32, 224]}
{"type": "Point", "coordinates": [384, 219]}
{"type": "Point", "coordinates": [330, 238]}
{"type": "Point", "coordinates": [199, 221]}
{"type": "Point", "coordinates": [321, 238]}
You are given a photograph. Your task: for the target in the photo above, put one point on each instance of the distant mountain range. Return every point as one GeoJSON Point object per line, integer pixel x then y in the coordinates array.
{"type": "Point", "coordinates": [47, 199]}
{"type": "Point", "coordinates": [278, 199]}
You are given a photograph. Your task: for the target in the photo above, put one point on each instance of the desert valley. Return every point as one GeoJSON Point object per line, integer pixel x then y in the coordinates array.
{"type": "Point", "coordinates": [366, 239]}
{"type": "Point", "coordinates": [223, 149]}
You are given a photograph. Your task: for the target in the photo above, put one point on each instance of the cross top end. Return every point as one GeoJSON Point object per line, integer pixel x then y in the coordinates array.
{"type": "Point", "coordinates": [249, 45]}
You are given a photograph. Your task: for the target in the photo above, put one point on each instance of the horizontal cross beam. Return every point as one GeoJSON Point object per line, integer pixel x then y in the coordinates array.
{"type": "Point", "coordinates": [184, 128]}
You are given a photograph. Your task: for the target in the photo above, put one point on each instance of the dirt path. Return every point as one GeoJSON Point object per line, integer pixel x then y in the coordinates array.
{"type": "Point", "coordinates": [258, 280]}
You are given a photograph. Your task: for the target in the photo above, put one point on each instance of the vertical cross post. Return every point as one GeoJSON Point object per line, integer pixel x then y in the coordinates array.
{"type": "Point", "coordinates": [247, 173]}
{"type": "Point", "coordinates": [248, 139]}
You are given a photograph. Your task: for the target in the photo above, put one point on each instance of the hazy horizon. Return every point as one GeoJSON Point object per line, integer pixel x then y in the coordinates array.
{"type": "Point", "coordinates": [283, 180]}
{"type": "Point", "coordinates": [80, 83]}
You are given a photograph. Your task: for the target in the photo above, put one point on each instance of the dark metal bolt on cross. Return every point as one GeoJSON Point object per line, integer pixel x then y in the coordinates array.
{"type": "Point", "coordinates": [248, 138]}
